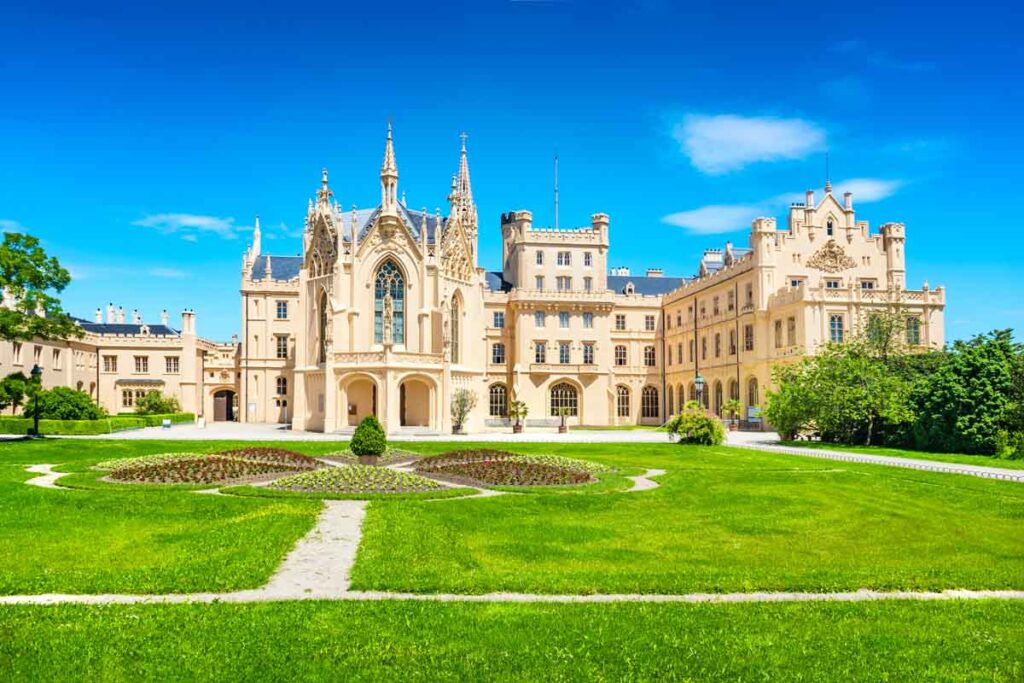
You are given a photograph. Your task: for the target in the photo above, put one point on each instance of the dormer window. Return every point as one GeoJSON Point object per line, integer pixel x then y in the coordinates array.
{"type": "Point", "coordinates": [829, 228]}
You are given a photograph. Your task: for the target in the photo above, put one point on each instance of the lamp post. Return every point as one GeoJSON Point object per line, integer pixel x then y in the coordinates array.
{"type": "Point", "coordinates": [699, 382]}
{"type": "Point", "coordinates": [37, 380]}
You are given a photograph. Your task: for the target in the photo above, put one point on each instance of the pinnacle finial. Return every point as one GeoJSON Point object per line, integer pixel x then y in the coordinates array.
{"type": "Point", "coordinates": [463, 135]}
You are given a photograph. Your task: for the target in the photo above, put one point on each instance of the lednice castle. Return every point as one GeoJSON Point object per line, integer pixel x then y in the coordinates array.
{"type": "Point", "coordinates": [387, 313]}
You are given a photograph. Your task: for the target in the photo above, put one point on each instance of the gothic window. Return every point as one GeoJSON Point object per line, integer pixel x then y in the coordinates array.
{"type": "Point", "coordinates": [563, 396]}
{"type": "Point", "coordinates": [913, 331]}
{"type": "Point", "coordinates": [670, 395]}
{"type": "Point", "coordinates": [752, 393]}
{"type": "Point", "coordinates": [622, 401]}
{"type": "Point", "coordinates": [456, 331]}
{"type": "Point", "coordinates": [829, 228]}
{"type": "Point", "coordinates": [389, 303]}
{"type": "Point", "coordinates": [734, 390]}
{"type": "Point", "coordinates": [718, 398]}
{"type": "Point", "coordinates": [322, 329]}
{"type": "Point", "coordinates": [498, 400]}
{"type": "Point", "coordinates": [649, 402]}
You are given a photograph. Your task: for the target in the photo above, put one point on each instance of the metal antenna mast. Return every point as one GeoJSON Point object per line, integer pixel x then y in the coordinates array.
{"type": "Point", "coordinates": [556, 191]}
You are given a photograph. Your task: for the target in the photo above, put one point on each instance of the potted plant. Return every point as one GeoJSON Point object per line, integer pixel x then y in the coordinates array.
{"type": "Point", "coordinates": [562, 427]}
{"type": "Point", "coordinates": [518, 411]}
{"type": "Point", "coordinates": [463, 401]}
{"type": "Point", "coordinates": [732, 408]}
{"type": "Point", "coordinates": [369, 441]}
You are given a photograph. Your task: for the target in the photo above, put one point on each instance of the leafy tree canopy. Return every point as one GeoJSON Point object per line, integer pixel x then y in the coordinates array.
{"type": "Point", "coordinates": [30, 280]}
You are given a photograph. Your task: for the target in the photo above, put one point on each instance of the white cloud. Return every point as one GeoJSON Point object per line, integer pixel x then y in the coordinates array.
{"type": "Point", "coordinates": [714, 219]}
{"type": "Point", "coordinates": [728, 142]}
{"type": "Point", "coordinates": [108, 272]}
{"type": "Point", "coordinates": [190, 226]}
{"type": "Point", "coordinates": [866, 190]}
{"type": "Point", "coordinates": [720, 218]}
{"type": "Point", "coordinates": [7, 225]}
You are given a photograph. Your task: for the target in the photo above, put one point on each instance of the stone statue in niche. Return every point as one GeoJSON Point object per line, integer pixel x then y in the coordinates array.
{"type": "Point", "coordinates": [388, 318]}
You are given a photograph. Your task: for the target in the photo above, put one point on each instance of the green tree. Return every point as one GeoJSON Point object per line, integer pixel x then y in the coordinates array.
{"type": "Point", "coordinates": [965, 404]}
{"type": "Point", "coordinates": [463, 401]}
{"type": "Point", "coordinates": [155, 403]}
{"type": "Point", "coordinates": [63, 403]}
{"type": "Point", "coordinates": [13, 388]}
{"type": "Point", "coordinates": [693, 425]}
{"type": "Point", "coordinates": [30, 279]}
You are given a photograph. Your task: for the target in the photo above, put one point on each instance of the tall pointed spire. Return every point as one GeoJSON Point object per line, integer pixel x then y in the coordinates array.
{"type": "Point", "coordinates": [464, 188]}
{"type": "Point", "coordinates": [256, 242]}
{"type": "Point", "coordinates": [389, 174]}
{"type": "Point", "coordinates": [324, 194]}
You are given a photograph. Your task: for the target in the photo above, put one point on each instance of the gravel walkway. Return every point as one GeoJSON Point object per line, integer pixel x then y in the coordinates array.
{"type": "Point", "coordinates": [643, 482]}
{"type": "Point", "coordinates": [47, 478]}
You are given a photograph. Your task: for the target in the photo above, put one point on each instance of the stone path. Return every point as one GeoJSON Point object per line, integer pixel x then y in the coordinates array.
{"type": "Point", "coordinates": [892, 461]}
{"type": "Point", "coordinates": [47, 478]}
{"type": "Point", "coordinates": [643, 482]}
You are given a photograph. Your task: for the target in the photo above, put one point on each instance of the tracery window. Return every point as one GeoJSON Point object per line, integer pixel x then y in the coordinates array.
{"type": "Point", "coordinates": [649, 402]}
{"type": "Point", "coordinates": [622, 401]}
{"type": "Point", "coordinates": [564, 395]}
{"type": "Point", "coordinates": [389, 288]}
{"type": "Point", "coordinates": [456, 331]}
{"type": "Point", "coordinates": [322, 329]}
{"type": "Point", "coordinates": [498, 400]}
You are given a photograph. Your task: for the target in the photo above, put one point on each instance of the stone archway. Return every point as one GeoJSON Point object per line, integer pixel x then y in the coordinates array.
{"type": "Point", "coordinates": [361, 400]}
{"type": "Point", "coordinates": [224, 405]}
{"type": "Point", "coordinates": [415, 405]}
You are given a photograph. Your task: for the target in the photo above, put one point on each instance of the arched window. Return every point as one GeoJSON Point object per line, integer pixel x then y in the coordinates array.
{"type": "Point", "coordinates": [564, 395]}
{"type": "Point", "coordinates": [682, 397]}
{"type": "Point", "coordinates": [455, 331]}
{"type": "Point", "coordinates": [671, 395]}
{"type": "Point", "coordinates": [622, 401]}
{"type": "Point", "coordinates": [498, 395]}
{"type": "Point", "coordinates": [752, 393]}
{"type": "Point", "coordinates": [389, 303]}
{"type": "Point", "coordinates": [322, 329]}
{"type": "Point", "coordinates": [829, 228]}
{"type": "Point", "coordinates": [282, 386]}
{"type": "Point", "coordinates": [693, 391]}
{"type": "Point", "coordinates": [649, 402]}
{"type": "Point", "coordinates": [734, 390]}
{"type": "Point", "coordinates": [718, 398]}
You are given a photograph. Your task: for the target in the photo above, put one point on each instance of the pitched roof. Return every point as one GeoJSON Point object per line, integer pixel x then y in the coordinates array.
{"type": "Point", "coordinates": [126, 328]}
{"type": "Point", "coordinates": [648, 286]}
{"type": "Point", "coordinates": [281, 267]}
{"type": "Point", "coordinates": [496, 283]}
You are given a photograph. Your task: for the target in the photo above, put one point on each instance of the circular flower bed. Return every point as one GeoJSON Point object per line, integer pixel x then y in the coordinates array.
{"type": "Point", "coordinates": [356, 479]}
{"type": "Point", "coordinates": [277, 456]}
{"type": "Point", "coordinates": [500, 468]}
{"type": "Point", "coordinates": [138, 461]}
{"type": "Point", "coordinates": [390, 456]}
{"type": "Point", "coordinates": [199, 469]}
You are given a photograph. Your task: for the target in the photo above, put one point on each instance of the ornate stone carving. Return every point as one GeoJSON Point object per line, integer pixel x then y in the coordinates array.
{"type": "Point", "coordinates": [455, 259]}
{"type": "Point", "coordinates": [831, 258]}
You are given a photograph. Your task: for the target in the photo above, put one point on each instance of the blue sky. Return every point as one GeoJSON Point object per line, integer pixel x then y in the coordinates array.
{"type": "Point", "coordinates": [139, 142]}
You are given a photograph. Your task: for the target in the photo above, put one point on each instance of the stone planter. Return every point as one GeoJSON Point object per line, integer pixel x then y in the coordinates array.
{"type": "Point", "coordinates": [368, 459]}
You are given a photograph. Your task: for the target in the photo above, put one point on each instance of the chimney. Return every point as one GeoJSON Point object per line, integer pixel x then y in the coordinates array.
{"type": "Point", "coordinates": [136, 317]}
{"type": "Point", "coordinates": [234, 340]}
{"type": "Point", "coordinates": [163, 317]}
{"type": "Point", "coordinates": [810, 198]}
{"type": "Point", "coordinates": [848, 200]}
{"type": "Point", "coordinates": [99, 315]}
{"type": "Point", "coordinates": [188, 321]}
{"type": "Point", "coordinates": [111, 314]}
{"type": "Point", "coordinates": [654, 272]}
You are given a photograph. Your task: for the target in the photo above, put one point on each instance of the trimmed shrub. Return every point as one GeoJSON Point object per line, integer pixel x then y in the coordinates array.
{"type": "Point", "coordinates": [694, 426]}
{"type": "Point", "coordinates": [108, 425]}
{"type": "Point", "coordinates": [369, 438]}
{"type": "Point", "coordinates": [63, 403]}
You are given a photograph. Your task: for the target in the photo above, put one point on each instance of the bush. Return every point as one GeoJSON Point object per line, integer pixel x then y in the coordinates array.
{"type": "Point", "coordinates": [23, 425]}
{"type": "Point", "coordinates": [694, 426]}
{"type": "Point", "coordinates": [62, 403]}
{"type": "Point", "coordinates": [155, 403]}
{"type": "Point", "coordinates": [369, 438]}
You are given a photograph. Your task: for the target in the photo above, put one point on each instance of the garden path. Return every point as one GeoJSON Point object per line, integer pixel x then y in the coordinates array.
{"type": "Point", "coordinates": [47, 478]}
{"type": "Point", "coordinates": [643, 482]}
{"type": "Point", "coordinates": [767, 441]}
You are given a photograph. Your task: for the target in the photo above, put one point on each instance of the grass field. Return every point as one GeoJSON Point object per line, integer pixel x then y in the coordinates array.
{"type": "Point", "coordinates": [722, 520]}
{"type": "Point", "coordinates": [430, 642]}
{"type": "Point", "coordinates": [957, 458]}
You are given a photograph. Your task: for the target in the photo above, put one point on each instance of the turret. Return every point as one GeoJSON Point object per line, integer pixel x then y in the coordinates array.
{"type": "Point", "coordinates": [389, 176]}
{"type": "Point", "coordinates": [893, 238]}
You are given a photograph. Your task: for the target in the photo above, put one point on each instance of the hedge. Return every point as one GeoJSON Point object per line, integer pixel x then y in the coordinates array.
{"type": "Point", "coordinates": [106, 425]}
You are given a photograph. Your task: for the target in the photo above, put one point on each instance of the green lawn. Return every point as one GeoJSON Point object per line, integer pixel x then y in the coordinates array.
{"type": "Point", "coordinates": [723, 520]}
{"type": "Point", "coordinates": [958, 458]}
{"type": "Point", "coordinates": [894, 641]}
{"type": "Point", "coordinates": [136, 539]}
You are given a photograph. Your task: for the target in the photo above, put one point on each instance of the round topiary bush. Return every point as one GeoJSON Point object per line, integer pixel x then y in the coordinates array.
{"type": "Point", "coordinates": [695, 426]}
{"type": "Point", "coordinates": [369, 438]}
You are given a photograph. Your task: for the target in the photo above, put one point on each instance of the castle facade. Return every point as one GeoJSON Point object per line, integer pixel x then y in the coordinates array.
{"type": "Point", "coordinates": [387, 312]}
